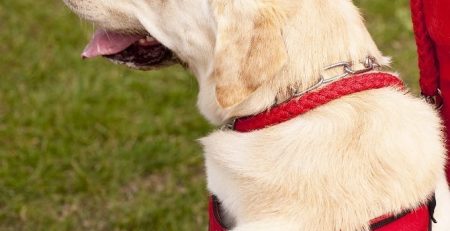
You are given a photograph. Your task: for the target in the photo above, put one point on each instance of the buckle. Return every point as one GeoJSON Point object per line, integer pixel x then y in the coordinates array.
{"type": "Point", "coordinates": [435, 100]}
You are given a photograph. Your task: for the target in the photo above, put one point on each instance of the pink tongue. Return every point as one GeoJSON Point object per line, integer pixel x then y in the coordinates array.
{"type": "Point", "coordinates": [108, 43]}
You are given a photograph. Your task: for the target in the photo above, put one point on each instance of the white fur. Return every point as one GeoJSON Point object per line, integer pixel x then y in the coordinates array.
{"type": "Point", "coordinates": [334, 168]}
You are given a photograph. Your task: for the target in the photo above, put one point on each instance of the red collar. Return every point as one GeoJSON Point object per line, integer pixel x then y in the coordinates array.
{"type": "Point", "coordinates": [309, 101]}
{"type": "Point", "coordinates": [418, 219]}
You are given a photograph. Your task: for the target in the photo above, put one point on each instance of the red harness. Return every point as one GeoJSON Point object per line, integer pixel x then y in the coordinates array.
{"type": "Point", "coordinates": [418, 219]}
{"type": "Point", "coordinates": [411, 220]}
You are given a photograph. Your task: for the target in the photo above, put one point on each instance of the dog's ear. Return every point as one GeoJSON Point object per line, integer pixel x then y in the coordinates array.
{"type": "Point", "coordinates": [249, 47]}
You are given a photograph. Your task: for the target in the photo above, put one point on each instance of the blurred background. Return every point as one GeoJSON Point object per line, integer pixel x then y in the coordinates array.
{"type": "Point", "coordinates": [88, 145]}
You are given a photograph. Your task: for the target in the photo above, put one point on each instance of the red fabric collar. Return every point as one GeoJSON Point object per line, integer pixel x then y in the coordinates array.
{"type": "Point", "coordinates": [414, 220]}
{"type": "Point", "coordinates": [298, 106]}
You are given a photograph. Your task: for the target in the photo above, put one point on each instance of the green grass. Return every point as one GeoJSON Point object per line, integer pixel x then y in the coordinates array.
{"type": "Point", "coordinates": [86, 145]}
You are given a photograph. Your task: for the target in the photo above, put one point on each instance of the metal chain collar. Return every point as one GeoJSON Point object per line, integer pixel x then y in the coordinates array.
{"type": "Point", "coordinates": [369, 64]}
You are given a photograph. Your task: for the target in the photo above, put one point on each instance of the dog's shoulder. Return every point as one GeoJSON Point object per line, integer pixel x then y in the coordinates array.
{"type": "Point", "coordinates": [361, 156]}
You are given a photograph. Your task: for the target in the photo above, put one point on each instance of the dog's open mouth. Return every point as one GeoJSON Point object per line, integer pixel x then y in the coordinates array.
{"type": "Point", "coordinates": [136, 51]}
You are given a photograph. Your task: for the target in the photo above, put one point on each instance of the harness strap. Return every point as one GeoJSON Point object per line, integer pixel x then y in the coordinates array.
{"type": "Point", "coordinates": [215, 219]}
{"type": "Point", "coordinates": [419, 219]}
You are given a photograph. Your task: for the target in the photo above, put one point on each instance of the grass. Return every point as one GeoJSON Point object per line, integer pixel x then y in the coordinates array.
{"type": "Point", "coordinates": [93, 146]}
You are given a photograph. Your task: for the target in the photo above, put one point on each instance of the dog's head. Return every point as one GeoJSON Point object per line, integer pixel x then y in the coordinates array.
{"type": "Point", "coordinates": [233, 45]}
{"type": "Point", "coordinates": [245, 53]}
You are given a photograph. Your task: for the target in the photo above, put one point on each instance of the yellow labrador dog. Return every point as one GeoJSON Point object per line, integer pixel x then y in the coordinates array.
{"type": "Point", "coordinates": [336, 167]}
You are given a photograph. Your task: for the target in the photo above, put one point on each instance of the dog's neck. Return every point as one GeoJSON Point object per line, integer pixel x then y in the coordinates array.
{"type": "Point", "coordinates": [319, 33]}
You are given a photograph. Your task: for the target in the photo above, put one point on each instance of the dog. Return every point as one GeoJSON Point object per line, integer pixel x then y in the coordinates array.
{"type": "Point", "coordinates": [336, 167]}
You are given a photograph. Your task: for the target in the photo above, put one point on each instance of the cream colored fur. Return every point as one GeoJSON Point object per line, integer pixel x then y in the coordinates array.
{"type": "Point", "coordinates": [334, 168]}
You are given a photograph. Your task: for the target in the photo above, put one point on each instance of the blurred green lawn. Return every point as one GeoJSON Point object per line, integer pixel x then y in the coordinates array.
{"type": "Point", "coordinates": [86, 145]}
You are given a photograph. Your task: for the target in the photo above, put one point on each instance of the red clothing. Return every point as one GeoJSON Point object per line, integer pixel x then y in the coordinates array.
{"type": "Point", "coordinates": [432, 27]}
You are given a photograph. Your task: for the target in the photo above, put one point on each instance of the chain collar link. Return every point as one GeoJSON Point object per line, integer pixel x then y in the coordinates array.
{"type": "Point", "coordinates": [369, 64]}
